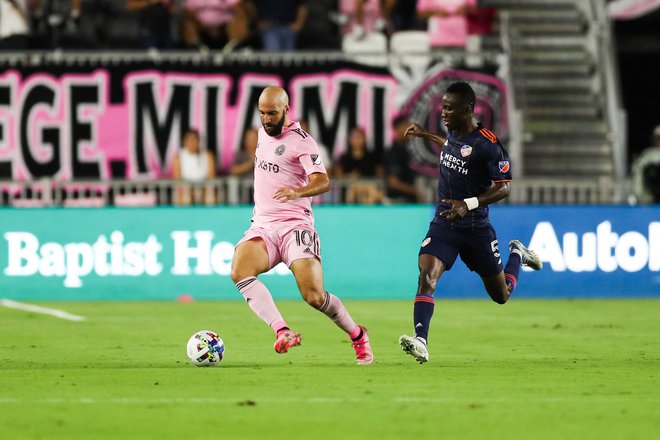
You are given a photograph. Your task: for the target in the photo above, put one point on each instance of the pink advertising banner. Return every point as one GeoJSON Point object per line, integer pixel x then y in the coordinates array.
{"type": "Point", "coordinates": [127, 121]}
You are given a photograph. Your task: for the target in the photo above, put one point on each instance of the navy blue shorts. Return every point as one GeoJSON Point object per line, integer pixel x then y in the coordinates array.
{"type": "Point", "coordinates": [478, 248]}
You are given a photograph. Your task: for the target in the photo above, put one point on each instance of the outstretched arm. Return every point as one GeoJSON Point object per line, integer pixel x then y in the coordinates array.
{"type": "Point", "coordinates": [417, 130]}
{"type": "Point", "coordinates": [460, 207]}
{"type": "Point", "coordinates": [318, 184]}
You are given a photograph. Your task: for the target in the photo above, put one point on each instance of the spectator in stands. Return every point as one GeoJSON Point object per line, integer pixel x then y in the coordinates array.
{"type": "Point", "coordinates": [279, 23]}
{"type": "Point", "coordinates": [447, 21]}
{"type": "Point", "coordinates": [326, 158]}
{"type": "Point", "coordinates": [360, 17]}
{"type": "Point", "coordinates": [403, 15]}
{"type": "Point", "coordinates": [193, 166]}
{"type": "Point", "coordinates": [55, 24]}
{"type": "Point", "coordinates": [214, 24]}
{"type": "Point", "coordinates": [480, 22]}
{"type": "Point", "coordinates": [321, 29]}
{"type": "Point", "coordinates": [14, 25]}
{"type": "Point", "coordinates": [359, 163]}
{"type": "Point", "coordinates": [244, 159]}
{"type": "Point", "coordinates": [154, 21]}
{"type": "Point", "coordinates": [400, 181]}
{"type": "Point", "coordinates": [646, 172]}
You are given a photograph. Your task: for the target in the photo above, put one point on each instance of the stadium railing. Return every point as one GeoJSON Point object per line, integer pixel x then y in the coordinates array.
{"type": "Point", "coordinates": [238, 191]}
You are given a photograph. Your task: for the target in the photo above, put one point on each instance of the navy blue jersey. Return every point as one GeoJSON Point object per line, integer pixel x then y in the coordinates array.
{"type": "Point", "coordinates": [468, 167]}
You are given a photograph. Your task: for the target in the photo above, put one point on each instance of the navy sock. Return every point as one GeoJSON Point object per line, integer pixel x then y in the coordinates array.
{"type": "Point", "coordinates": [422, 313]}
{"type": "Point", "coordinates": [512, 269]}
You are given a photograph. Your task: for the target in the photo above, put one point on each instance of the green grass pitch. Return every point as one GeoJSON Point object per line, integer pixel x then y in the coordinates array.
{"type": "Point", "coordinates": [552, 369]}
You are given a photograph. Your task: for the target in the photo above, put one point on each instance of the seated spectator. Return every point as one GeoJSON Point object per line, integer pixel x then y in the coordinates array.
{"type": "Point", "coordinates": [154, 21]}
{"type": "Point", "coordinates": [279, 23]}
{"type": "Point", "coordinates": [447, 21]}
{"type": "Point", "coordinates": [321, 30]}
{"type": "Point", "coordinates": [193, 166]}
{"type": "Point", "coordinates": [359, 163]}
{"type": "Point", "coordinates": [14, 27]}
{"type": "Point", "coordinates": [646, 172]}
{"type": "Point", "coordinates": [403, 15]}
{"type": "Point", "coordinates": [244, 159]}
{"type": "Point", "coordinates": [400, 180]}
{"type": "Point", "coordinates": [361, 17]}
{"type": "Point", "coordinates": [479, 23]}
{"type": "Point", "coordinates": [214, 23]}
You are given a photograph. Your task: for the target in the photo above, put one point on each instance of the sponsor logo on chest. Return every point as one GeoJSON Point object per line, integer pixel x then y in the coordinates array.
{"type": "Point", "coordinates": [452, 162]}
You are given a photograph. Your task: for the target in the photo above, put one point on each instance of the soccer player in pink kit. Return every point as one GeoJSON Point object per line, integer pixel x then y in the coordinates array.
{"type": "Point", "coordinates": [288, 172]}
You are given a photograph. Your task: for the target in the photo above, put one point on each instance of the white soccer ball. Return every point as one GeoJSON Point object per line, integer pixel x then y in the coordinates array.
{"type": "Point", "coordinates": [205, 348]}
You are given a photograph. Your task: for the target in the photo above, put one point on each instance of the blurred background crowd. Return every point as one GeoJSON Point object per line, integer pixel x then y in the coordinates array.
{"type": "Point", "coordinates": [228, 25]}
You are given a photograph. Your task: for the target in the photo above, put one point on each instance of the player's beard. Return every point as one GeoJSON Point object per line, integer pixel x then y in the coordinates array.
{"type": "Point", "coordinates": [276, 130]}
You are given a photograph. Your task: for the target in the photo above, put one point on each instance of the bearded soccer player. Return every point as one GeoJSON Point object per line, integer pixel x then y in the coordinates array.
{"type": "Point", "coordinates": [288, 173]}
{"type": "Point", "coordinates": [475, 171]}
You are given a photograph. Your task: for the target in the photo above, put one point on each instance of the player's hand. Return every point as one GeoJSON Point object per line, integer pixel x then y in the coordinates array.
{"type": "Point", "coordinates": [286, 194]}
{"type": "Point", "coordinates": [415, 130]}
{"type": "Point", "coordinates": [458, 209]}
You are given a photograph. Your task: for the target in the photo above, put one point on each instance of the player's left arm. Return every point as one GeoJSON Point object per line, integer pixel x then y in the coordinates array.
{"type": "Point", "coordinates": [308, 155]}
{"type": "Point", "coordinates": [318, 184]}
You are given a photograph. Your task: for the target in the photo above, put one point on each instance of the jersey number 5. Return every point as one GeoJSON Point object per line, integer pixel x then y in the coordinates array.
{"type": "Point", "coordinates": [494, 246]}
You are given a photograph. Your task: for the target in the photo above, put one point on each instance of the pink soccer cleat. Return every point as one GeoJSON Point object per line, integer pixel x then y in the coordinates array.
{"type": "Point", "coordinates": [363, 353]}
{"type": "Point", "coordinates": [285, 340]}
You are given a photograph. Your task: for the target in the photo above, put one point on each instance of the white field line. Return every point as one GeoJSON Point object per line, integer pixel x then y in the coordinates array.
{"type": "Point", "coordinates": [316, 400]}
{"type": "Point", "coordinates": [11, 304]}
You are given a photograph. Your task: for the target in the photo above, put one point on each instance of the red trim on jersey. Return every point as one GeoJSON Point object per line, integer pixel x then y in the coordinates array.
{"type": "Point", "coordinates": [488, 135]}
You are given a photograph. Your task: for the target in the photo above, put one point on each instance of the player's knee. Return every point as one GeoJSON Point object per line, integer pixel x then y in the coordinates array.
{"type": "Point", "coordinates": [427, 282]}
{"type": "Point", "coordinates": [314, 297]}
{"type": "Point", "coordinates": [238, 274]}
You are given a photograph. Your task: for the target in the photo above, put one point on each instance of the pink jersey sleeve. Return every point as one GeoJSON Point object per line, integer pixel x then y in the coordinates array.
{"type": "Point", "coordinates": [309, 157]}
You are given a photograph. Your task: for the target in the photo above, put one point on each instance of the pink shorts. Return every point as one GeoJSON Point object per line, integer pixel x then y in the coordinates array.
{"type": "Point", "coordinates": [286, 241]}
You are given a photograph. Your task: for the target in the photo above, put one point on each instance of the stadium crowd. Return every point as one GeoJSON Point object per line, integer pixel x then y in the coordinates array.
{"type": "Point", "coordinates": [229, 25]}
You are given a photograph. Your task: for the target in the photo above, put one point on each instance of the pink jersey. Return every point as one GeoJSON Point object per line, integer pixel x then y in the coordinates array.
{"type": "Point", "coordinates": [212, 13]}
{"type": "Point", "coordinates": [371, 14]}
{"type": "Point", "coordinates": [446, 31]}
{"type": "Point", "coordinates": [284, 161]}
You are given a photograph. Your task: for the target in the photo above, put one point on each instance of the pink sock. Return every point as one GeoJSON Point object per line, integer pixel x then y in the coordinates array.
{"type": "Point", "coordinates": [336, 311]}
{"type": "Point", "coordinates": [260, 300]}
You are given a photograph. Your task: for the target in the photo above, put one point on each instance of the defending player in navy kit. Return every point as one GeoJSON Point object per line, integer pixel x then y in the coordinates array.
{"type": "Point", "coordinates": [475, 171]}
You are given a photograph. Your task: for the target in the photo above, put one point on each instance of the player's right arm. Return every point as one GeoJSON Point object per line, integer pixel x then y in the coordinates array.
{"type": "Point", "coordinates": [419, 131]}
{"type": "Point", "coordinates": [459, 208]}
{"type": "Point", "coordinates": [319, 183]}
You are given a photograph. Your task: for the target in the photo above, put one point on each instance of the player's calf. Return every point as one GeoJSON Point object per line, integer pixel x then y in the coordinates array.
{"type": "Point", "coordinates": [497, 288]}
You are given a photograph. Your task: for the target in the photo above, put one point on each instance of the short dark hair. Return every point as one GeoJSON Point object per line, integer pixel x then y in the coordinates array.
{"type": "Point", "coordinates": [192, 131]}
{"type": "Point", "coordinates": [400, 119]}
{"type": "Point", "coordinates": [464, 90]}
